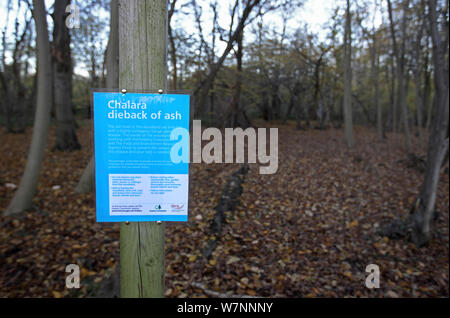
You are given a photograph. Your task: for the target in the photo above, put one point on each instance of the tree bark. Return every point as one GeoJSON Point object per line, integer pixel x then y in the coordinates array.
{"type": "Point", "coordinates": [173, 52]}
{"type": "Point", "coordinates": [391, 120]}
{"type": "Point", "coordinates": [86, 182]}
{"type": "Point", "coordinates": [419, 69]}
{"type": "Point", "coordinates": [112, 55]}
{"type": "Point", "coordinates": [236, 116]}
{"type": "Point", "coordinates": [375, 71]}
{"type": "Point", "coordinates": [399, 54]}
{"type": "Point", "coordinates": [142, 66]}
{"type": "Point", "coordinates": [298, 113]}
{"type": "Point", "coordinates": [438, 143]}
{"type": "Point", "coordinates": [23, 199]}
{"type": "Point", "coordinates": [66, 136]}
{"type": "Point", "coordinates": [419, 107]}
{"type": "Point", "coordinates": [348, 121]}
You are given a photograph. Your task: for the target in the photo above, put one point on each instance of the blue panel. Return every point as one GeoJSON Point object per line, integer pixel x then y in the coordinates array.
{"type": "Point", "coordinates": [135, 177]}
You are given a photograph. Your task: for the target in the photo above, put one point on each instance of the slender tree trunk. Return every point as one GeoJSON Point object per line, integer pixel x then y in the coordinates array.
{"type": "Point", "coordinates": [348, 121]}
{"type": "Point", "coordinates": [143, 66]}
{"type": "Point", "coordinates": [438, 142]}
{"type": "Point", "coordinates": [173, 57]}
{"type": "Point", "coordinates": [276, 102]}
{"type": "Point", "coordinates": [290, 107]}
{"type": "Point", "coordinates": [375, 71]}
{"type": "Point", "coordinates": [419, 107]}
{"type": "Point", "coordinates": [173, 52]}
{"type": "Point", "coordinates": [399, 54]}
{"type": "Point", "coordinates": [86, 183]}
{"type": "Point", "coordinates": [236, 118]}
{"type": "Point", "coordinates": [419, 69]}
{"type": "Point", "coordinates": [66, 137]}
{"type": "Point", "coordinates": [427, 100]}
{"type": "Point", "coordinates": [392, 97]}
{"type": "Point", "coordinates": [316, 94]}
{"type": "Point", "coordinates": [23, 199]}
{"type": "Point", "coordinates": [298, 113]}
{"type": "Point", "coordinates": [306, 111]}
{"type": "Point", "coordinates": [402, 85]}
{"type": "Point", "coordinates": [430, 112]}
{"type": "Point", "coordinates": [112, 56]}
{"type": "Point", "coordinates": [19, 101]}
{"type": "Point", "coordinates": [212, 98]}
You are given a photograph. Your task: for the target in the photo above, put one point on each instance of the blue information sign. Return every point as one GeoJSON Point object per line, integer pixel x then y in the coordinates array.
{"type": "Point", "coordinates": [135, 176]}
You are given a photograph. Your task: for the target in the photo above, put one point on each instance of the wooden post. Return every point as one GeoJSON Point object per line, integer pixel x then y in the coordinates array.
{"type": "Point", "coordinates": [142, 65]}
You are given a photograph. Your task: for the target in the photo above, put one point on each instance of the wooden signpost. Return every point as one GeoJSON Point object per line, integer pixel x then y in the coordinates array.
{"type": "Point", "coordinates": [142, 66]}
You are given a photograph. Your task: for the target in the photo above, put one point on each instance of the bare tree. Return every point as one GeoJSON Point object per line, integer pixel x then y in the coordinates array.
{"type": "Point", "coordinates": [438, 141]}
{"type": "Point", "coordinates": [23, 198]}
{"type": "Point", "coordinates": [236, 117]}
{"type": "Point", "coordinates": [202, 89]}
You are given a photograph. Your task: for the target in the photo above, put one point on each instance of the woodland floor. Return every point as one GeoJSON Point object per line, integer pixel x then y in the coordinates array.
{"type": "Point", "coordinates": [306, 231]}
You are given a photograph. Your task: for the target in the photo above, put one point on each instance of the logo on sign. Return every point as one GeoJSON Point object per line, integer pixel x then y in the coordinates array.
{"type": "Point", "coordinates": [158, 208]}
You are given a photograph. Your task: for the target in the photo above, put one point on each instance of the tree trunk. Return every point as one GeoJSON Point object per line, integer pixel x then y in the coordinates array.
{"type": "Point", "coordinates": [404, 109]}
{"type": "Point", "coordinates": [19, 101]}
{"type": "Point", "coordinates": [112, 55]}
{"type": "Point", "coordinates": [318, 108]}
{"type": "Point", "coordinates": [348, 121]}
{"type": "Point", "coordinates": [427, 100]}
{"type": "Point", "coordinates": [419, 69]}
{"type": "Point", "coordinates": [438, 142]}
{"type": "Point", "coordinates": [275, 102]}
{"type": "Point", "coordinates": [173, 53]}
{"type": "Point", "coordinates": [66, 137]}
{"type": "Point", "coordinates": [375, 71]}
{"type": "Point", "coordinates": [236, 116]}
{"type": "Point", "coordinates": [86, 183]}
{"type": "Point", "coordinates": [202, 90]}
{"type": "Point", "coordinates": [298, 113]}
{"type": "Point", "coordinates": [290, 107]}
{"type": "Point", "coordinates": [142, 65]}
{"type": "Point", "coordinates": [391, 119]}
{"type": "Point", "coordinates": [430, 109]}
{"type": "Point", "coordinates": [399, 54]}
{"type": "Point", "coordinates": [23, 199]}
{"type": "Point", "coordinates": [419, 106]}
